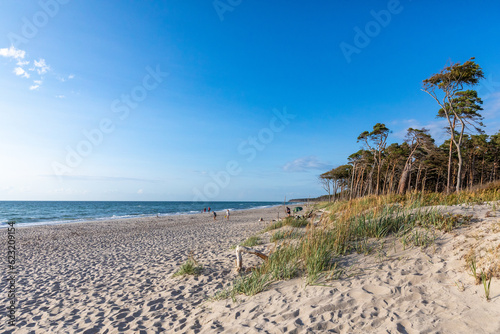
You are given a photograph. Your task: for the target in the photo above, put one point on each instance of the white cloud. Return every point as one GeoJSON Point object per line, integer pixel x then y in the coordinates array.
{"type": "Point", "coordinates": [436, 129]}
{"type": "Point", "coordinates": [306, 163]}
{"type": "Point", "coordinates": [12, 52]}
{"type": "Point", "coordinates": [140, 191]}
{"type": "Point", "coordinates": [60, 96]}
{"type": "Point", "coordinates": [21, 72]}
{"type": "Point", "coordinates": [36, 84]}
{"type": "Point", "coordinates": [23, 69]}
{"type": "Point", "coordinates": [22, 62]}
{"type": "Point", "coordinates": [63, 79]}
{"type": "Point", "coordinates": [41, 66]}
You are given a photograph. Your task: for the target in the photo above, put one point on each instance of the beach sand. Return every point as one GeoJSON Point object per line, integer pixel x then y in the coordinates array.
{"type": "Point", "coordinates": [116, 276]}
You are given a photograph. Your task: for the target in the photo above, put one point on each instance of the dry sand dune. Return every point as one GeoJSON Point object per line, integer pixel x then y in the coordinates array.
{"type": "Point", "coordinates": [112, 277]}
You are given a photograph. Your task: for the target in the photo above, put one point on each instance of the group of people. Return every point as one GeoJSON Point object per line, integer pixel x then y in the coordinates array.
{"type": "Point", "coordinates": [215, 214]}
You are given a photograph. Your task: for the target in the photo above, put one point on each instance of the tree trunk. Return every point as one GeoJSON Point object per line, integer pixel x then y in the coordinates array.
{"type": "Point", "coordinates": [404, 178]}
{"type": "Point", "coordinates": [352, 180]}
{"type": "Point", "coordinates": [471, 173]}
{"type": "Point", "coordinates": [437, 181]}
{"type": "Point", "coordinates": [423, 181]}
{"type": "Point", "coordinates": [418, 175]}
{"type": "Point", "coordinates": [448, 180]}
{"type": "Point", "coordinates": [482, 170]}
{"type": "Point", "coordinates": [409, 180]}
{"type": "Point", "coordinates": [370, 181]}
{"type": "Point", "coordinates": [361, 183]}
{"type": "Point", "coordinates": [459, 172]}
{"type": "Point", "coordinates": [391, 183]}
{"type": "Point", "coordinates": [378, 178]}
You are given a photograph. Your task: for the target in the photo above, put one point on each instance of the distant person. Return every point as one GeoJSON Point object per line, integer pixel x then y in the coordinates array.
{"type": "Point", "coordinates": [288, 211]}
{"type": "Point", "coordinates": [208, 209]}
{"type": "Point", "coordinates": [227, 214]}
{"type": "Point", "coordinates": [215, 215]}
{"type": "Point", "coordinates": [204, 209]}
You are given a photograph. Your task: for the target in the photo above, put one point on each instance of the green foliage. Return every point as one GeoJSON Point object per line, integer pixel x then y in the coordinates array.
{"type": "Point", "coordinates": [456, 76]}
{"type": "Point", "coordinates": [251, 241]}
{"type": "Point", "coordinates": [251, 284]}
{"type": "Point", "coordinates": [190, 267]}
{"type": "Point", "coordinates": [298, 223]}
{"type": "Point", "coordinates": [288, 221]}
{"type": "Point", "coordinates": [281, 235]}
{"type": "Point", "coordinates": [223, 294]}
{"type": "Point", "coordinates": [283, 263]}
{"type": "Point", "coordinates": [275, 225]}
{"type": "Point", "coordinates": [486, 285]}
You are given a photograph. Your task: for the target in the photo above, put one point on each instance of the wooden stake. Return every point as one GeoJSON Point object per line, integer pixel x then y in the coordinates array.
{"type": "Point", "coordinates": [239, 259]}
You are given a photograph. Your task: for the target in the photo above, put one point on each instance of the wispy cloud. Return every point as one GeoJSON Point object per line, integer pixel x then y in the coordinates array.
{"type": "Point", "coordinates": [27, 69]}
{"type": "Point", "coordinates": [19, 71]}
{"type": "Point", "coordinates": [436, 128]}
{"type": "Point", "coordinates": [41, 66]}
{"type": "Point", "coordinates": [64, 79]}
{"type": "Point", "coordinates": [36, 84]}
{"type": "Point", "coordinates": [12, 52]}
{"type": "Point", "coordinates": [22, 63]}
{"type": "Point", "coordinates": [305, 164]}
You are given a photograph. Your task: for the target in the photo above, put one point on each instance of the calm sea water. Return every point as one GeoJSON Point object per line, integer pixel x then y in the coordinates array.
{"type": "Point", "coordinates": [26, 213]}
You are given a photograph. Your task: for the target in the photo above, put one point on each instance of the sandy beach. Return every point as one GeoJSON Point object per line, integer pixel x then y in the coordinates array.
{"type": "Point", "coordinates": [116, 276]}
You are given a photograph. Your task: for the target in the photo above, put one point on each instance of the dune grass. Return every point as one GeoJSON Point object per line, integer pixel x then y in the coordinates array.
{"type": "Point", "coordinates": [288, 221]}
{"type": "Point", "coordinates": [486, 284]}
{"type": "Point", "coordinates": [251, 241]}
{"type": "Point", "coordinates": [190, 267]}
{"type": "Point", "coordinates": [349, 226]}
{"type": "Point", "coordinates": [282, 235]}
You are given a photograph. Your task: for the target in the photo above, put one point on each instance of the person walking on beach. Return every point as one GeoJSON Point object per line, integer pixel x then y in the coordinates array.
{"type": "Point", "coordinates": [227, 214]}
{"type": "Point", "coordinates": [204, 209]}
{"type": "Point", "coordinates": [215, 215]}
{"type": "Point", "coordinates": [208, 209]}
{"type": "Point", "coordinates": [288, 211]}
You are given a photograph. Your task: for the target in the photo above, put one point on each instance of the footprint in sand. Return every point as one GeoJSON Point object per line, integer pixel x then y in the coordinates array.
{"type": "Point", "coordinates": [378, 290]}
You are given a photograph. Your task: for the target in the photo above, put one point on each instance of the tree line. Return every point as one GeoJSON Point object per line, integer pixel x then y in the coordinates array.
{"type": "Point", "coordinates": [468, 158]}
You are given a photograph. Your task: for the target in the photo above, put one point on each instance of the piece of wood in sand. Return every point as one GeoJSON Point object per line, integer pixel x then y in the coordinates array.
{"type": "Point", "coordinates": [239, 259]}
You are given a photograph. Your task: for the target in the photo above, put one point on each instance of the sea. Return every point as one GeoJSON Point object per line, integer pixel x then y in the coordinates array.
{"type": "Point", "coordinates": [29, 213]}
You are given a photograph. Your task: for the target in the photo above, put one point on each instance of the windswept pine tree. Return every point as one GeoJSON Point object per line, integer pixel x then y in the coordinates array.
{"type": "Point", "coordinates": [457, 106]}
{"type": "Point", "coordinates": [375, 141]}
{"type": "Point", "coordinates": [416, 140]}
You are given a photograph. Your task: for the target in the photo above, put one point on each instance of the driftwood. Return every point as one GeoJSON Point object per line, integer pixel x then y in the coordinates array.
{"type": "Point", "coordinates": [241, 249]}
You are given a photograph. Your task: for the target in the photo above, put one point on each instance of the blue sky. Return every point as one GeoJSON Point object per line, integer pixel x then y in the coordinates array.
{"type": "Point", "coordinates": [219, 100]}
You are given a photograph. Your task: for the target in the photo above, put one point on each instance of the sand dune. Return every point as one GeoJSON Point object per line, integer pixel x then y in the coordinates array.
{"type": "Point", "coordinates": [116, 276]}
